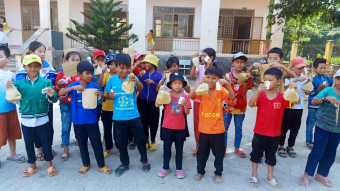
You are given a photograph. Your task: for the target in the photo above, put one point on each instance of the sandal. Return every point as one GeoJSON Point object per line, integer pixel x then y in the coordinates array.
{"type": "Point", "coordinates": [241, 154]}
{"type": "Point", "coordinates": [106, 170]}
{"type": "Point", "coordinates": [40, 157]}
{"type": "Point", "coordinates": [194, 153]}
{"type": "Point", "coordinates": [132, 146]}
{"type": "Point", "coordinates": [106, 154]}
{"type": "Point", "coordinates": [17, 158]}
{"type": "Point", "coordinates": [52, 171]}
{"type": "Point", "coordinates": [253, 180]}
{"type": "Point", "coordinates": [291, 152]}
{"type": "Point", "coordinates": [147, 146]}
{"type": "Point", "coordinates": [310, 145]}
{"type": "Point", "coordinates": [281, 151]}
{"type": "Point", "coordinates": [83, 170]}
{"type": "Point", "coordinates": [273, 183]}
{"type": "Point", "coordinates": [30, 171]}
{"type": "Point", "coordinates": [153, 147]}
{"type": "Point", "coordinates": [64, 157]}
{"type": "Point", "coordinates": [146, 168]}
{"type": "Point", "coordinates": [120, 170]}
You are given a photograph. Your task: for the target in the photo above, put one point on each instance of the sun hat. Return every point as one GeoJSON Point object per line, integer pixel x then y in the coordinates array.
{"type": "Point", "coordinates": [176, 76]}
{"type": "Point", "coordinates": [152, 59]}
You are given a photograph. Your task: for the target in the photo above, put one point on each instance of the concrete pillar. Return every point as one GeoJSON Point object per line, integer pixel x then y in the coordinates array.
{"type": "Point", "coordinates": [14, 20]}
{"type": "Point", "coordinates": [64, 22]}
{"type": "Point", "coordinates": [137, 16]}
{"type": "Point", "coordinates": [45, 22]}
{"type": "Point", "coordinates": [294, 50]}
{"type": "Point", "coordinates": [277, 32]}
{"type": "Point", "coordinates": [329, 50]}
{"type": "Point", "coordinates": [209, 23]}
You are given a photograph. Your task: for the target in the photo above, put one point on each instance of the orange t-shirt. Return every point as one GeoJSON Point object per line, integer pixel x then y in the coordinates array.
{"type": "Point", "coordinates": [211, 111]}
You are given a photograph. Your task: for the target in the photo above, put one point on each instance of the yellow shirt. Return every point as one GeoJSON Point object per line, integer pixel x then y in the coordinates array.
{"type": "Point", "coordinates": [108, 104]}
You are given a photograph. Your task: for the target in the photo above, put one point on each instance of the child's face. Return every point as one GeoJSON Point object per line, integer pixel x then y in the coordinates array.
{"type": "Point", "coordinates": [239, 64]}
{"type": "Point", "coordinates": [123, 70]}
{"type": "Point", "coordinates": [174, 68]}
{"type": "Point", "coordinates": [211, 80]}
{"type": "Point", "coordinates": [33, 69]}
{"type": "Point", "coordinates": [298, 71]}
{"type": "Point", "coordinates": [204, 54]}
{"type": "Point", "coordinates": [273, 81]}
{"type": "Point", "coordinates": [337, 82]}
{"type": "Point", "coordinates": [274, 57]}
{"type": "Point", "coordinates": [99, 59]}
{"type": "Point", "coordinates": [3, 59]}
{"type": "Point", "coordinates": [176, 85]}
{"type": "Point", "coordinates": [41, 52]}
{"type": "Point", "coordinates": [2, 20]}
{"type": "Point", "coordinates": [86, 76]}
{"type": "Point", "coordinates": [321, 69]}
{"type": "Point", "coordinates": [149, 66]}
{"type": "Point", "coordinates": [73, 58]}
{"type": "Point", "coordinates": [113, 67]}
{"type": "Point", "coordinates": [140, 59]}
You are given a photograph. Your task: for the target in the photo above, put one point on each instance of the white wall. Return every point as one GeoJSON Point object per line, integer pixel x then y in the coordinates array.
{"type": "Point", "coordinates": [13, 18]}
{"type": "Point", "coordinates": [197, 4]}
{"type": "Point", "coordinates": [260, 7]}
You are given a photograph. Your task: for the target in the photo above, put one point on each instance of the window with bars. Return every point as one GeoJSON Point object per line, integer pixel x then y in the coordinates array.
{"type": "Point", "coordinates": [174, 22]}
{"type": "Point", "coordinates": [2, 8]}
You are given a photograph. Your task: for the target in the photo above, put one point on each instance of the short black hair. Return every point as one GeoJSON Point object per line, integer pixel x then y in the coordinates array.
{"type": "Point", "coordinates": [69, 54]}
{"type": "Point", "coordinates": [151, 30]}
{"type": "Point", "coordinates": [275, 72]}
{"type": "Point", "coordinates": [84, 66]}
{"type": "Point", "coordinates": [4, 18]}
{"type": "Point", "coordinates": [6, 50]}
{"type": "Point", "coordinates": [123, 59]}
{"type": "Point", "coordinates": [277, 51]}
{"type": "Point", "coordinates": [1, 26]}
{"type": "Point", "coordinates": [34, 46]}
{"type": "Point", "coordinates": [214, 70]}
{"type": "Point", "coordinates": [171, 61]}
{"type": "Point", "coordinates": [319, 61]}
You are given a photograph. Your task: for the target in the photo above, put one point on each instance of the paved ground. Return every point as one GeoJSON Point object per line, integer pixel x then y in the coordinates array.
{"type": "Point", "coordinates": [236, 170]}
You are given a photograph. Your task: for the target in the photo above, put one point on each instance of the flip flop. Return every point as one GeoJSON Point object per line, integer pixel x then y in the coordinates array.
{"type": "Point", "coordinates": [52, 170]}
{"type": "Point", "coordinates": [17, 158]}
{"type": "Point", "coordinates": [146, 168]}
{"type": "Point", "coordinates": [329, 184]}
{"type": "Point", "coordinates": [84, 169]}
{"type": "Point", "coordinates": [30, 170]}
{"type": "Point", "coordinates": [106, 154]}
{"type": "Point", "coordinates": [153, 147]}
{"type": "Point", "coordinates": [64, 157]}
{"type": "Point", "coordinates": [40, 155]}
{"type": "Point", "coordinates": [272, 183]}
{"type": "Point", "coordinates": [106, 170]}
{"type": "Point", "coordinates": [147, 146]}
{"type": "Point", "coordinates": [303, 182]}
{"type": "Point", "coordinates": [253, 180]}
{"type": "Point", "coordinates": [241, 154]}
{"type": "Point", "coordinates": [120, 170]}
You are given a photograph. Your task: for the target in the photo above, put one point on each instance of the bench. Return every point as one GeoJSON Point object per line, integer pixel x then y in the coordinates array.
{"type": "Point", "coordinates": [184, 65]}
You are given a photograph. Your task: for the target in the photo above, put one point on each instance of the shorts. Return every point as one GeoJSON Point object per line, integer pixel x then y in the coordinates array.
{"type": "Point", "coordinates": [9, 127]}
{"type": "Point", "coordinates": [262, 143]}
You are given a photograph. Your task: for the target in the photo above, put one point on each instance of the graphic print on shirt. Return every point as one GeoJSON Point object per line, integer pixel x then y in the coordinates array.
{"type": "Point", "coordinates": [123, 101]}
{"type": "Point", "coordinates": [277, 105]}
{"type": "Point", "coordinates": [175, 105]}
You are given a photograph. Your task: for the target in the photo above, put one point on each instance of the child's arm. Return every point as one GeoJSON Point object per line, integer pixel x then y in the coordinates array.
{"type": "Point", "coordinates": [102, 96]}
{"type": "Point", "coordinates": [224, 82]}
{"type": "Point", "coordinates": [252, 101]}
{"type": "Point", "coordinates": [193, 71]}
{"type": "Point", "coordinates": [186, 108]}
{"type": "Point", "coordinates": [65, 91]}
{"type": "Point", "coordinates": [293, 85]}
{"type": "Point", "coordinates": [138, 83]}
{"type": "Point", "coordinates": [245, 84]}
{"type": "Point", "coordinates": [101, 78]}
{"type": "Point", "coordinates": [157, 104]}
{"type": "Point", "coordinates": [162, 80]}
{"type": "Point", "coordinates": [187, 88]}
{"type": "Point", "coordinates": [256, 65]}
{"type": "Point", "coordinates": [289, 72]}
{"type": "Point", "coordinates": [317, 101]}
{"type": "Point", "coordinates": [133, 67]}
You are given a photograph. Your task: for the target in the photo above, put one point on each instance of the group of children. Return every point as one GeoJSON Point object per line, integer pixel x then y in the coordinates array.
{"type": "Point", "coordinates": [133, 118]}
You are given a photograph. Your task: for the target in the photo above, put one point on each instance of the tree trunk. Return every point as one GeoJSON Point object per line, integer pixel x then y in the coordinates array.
{"type": "Point", "coordinates": [299, 31]}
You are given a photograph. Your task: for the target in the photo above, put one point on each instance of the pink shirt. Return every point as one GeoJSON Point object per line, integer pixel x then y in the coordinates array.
{"type": "Point", "coordinates": [200, 72]}
{"type": "Point", "coordinates": [173, 113]}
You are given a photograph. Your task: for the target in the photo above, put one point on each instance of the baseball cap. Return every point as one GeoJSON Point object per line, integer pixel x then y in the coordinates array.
{"type": "Point", "coordinates": [239, 55]}
{"type": "Point", "coordinates": [137, 55]}
{"type": "Point", "coordinates": [98, 53]}
{"type": "Point", "coordinates": [110, 57]}
{"type": "Point", "coordinates": [28, 59]}
{"type": "Point", "coordinates": [175, 76]}
{"type": "Point", "coordinates": [337, 74]}
{"type": "Point", "coordinates": [299, 62]}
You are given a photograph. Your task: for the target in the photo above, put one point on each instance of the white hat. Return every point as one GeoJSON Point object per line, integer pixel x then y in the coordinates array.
{"type": "Point", "coordinates": [337, 73]}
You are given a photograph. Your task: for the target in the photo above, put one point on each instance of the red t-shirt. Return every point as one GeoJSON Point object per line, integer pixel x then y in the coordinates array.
{"type": "Point", "coordinates": [173, 113]}
{"type": "Point", "coordinates": [137, 71]}
{"type": "Point", "coordinates": [269, 114]}
{"type": "Point", "coordinates": [69, 80]}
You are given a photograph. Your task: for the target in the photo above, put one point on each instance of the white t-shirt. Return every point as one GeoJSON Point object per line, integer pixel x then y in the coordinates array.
{"type": "Point", "coordinates": [301, 92]}
{"type": "Point", "coordinates": [3, 37]}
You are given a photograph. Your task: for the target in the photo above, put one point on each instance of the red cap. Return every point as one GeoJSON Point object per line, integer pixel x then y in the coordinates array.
{"type": "Point", "coordinates": [98, 53]}
{"type": "Point", "coordinates": [299, 62]}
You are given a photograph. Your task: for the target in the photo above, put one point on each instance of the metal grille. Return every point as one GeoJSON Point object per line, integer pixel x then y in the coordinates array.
{"type": "Point", "coordinates": [191, 26]}
{"type": "Point", "coordinates": [183, 25]}
{"type": "Point", "coordinates": [257, 27]}
{"type": "Point", "coordinates": [2, 4]}
{"type": "Point", "coordinates": [167, 25]}
{"type": "Point", "coordinates": [57, 40]}
{"type": "Point", "coordinates": [2, 11]}
{"type": "Point", "coordinates": [26, 19]}
{"type": "Point", "coordinates": [36, 18]}
{"type": "Point", "coordinates": [244, 12]}
{"type": "Point", "coordinates": [185, 10]}
{"type": "Point", "coordinates": [163, 9]}
{"type": "Point", "coordinates": [228, 29]}
{"type": "Point", "coordinates": [226, 12]}
{"type": "Point", "coordinates": [158, 25]}
{"type": "Point", "coordinates": [30, 3]}
{"type": "Point", "coordinates": [54, 4]}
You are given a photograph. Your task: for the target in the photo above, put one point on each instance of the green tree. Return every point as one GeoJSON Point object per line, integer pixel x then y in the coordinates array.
{"type": "Point", "coordinates": [105, 31]}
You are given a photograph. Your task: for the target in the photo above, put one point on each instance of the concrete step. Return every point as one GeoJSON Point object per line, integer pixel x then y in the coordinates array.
{"type": "Point", "coordinates": [12, 65]}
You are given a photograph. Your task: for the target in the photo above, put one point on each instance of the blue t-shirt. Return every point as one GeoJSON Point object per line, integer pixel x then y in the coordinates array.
{"type": "Point", "coordinates": [317, 81]}
{"type": "Point", "coordinates": [124, 105]}
{"type": "Point", "coordinates": [5, 106]}
{"type": "Point", "coordinates": [81, 116]}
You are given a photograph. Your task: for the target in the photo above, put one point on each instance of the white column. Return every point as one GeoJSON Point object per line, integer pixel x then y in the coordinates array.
{"type": "Point", "coordinates": [13, 18]}
{"type": "Point", "coordinates": [45, 22]}
{"type": "Point", "coordinates": [209, 23]}
{"type": "Point", "coordinates": [277, 32]}
{"type": "Point", "coordinates": [64, 22]}
{"type": "Point", "coordinates": [137, 16]}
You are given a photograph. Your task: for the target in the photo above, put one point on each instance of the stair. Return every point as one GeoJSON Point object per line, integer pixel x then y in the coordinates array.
{"type": "Point", "coordinates": [12, 65]}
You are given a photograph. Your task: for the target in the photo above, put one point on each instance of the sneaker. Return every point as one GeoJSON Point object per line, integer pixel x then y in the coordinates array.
{"type": "Point", "coordinates": [162, 173]}
{"type": "Point", "coordinates": [180, 174]}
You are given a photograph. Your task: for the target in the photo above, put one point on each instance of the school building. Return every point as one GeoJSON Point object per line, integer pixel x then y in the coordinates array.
{"type": "Point", "coordinates": [181, 26]}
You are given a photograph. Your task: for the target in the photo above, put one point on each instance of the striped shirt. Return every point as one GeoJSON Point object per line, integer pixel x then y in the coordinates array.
{"type": "Point", "coordinates": [326, 115]}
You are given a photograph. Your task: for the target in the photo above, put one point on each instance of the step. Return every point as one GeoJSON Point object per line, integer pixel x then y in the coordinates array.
{"type": "Point", "coordinates": [12, 66]}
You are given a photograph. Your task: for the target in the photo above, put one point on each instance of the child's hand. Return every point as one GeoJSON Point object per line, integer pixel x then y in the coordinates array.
{"type": "Point", "coordinates": [163, 87]}
{"type": "Point", "coordinates": [104, 67]}
{"type": "Point", "coordinates": [196, 55]}
{"type": "Point", "coordinates": [300, 79]}
{"type": "Point", "coordinates": [60, 84]}
{"type": "Point", "coordinates": [111, 95]}
{"type": "Point", "coordinates": [292, 85]}
{"type": "Point", "coordinates": [223, 82]}
{"type": "Point", "coordinates": [98, 93]}
{"type": "Point", "coordinates": [78, 88]}
{"type": "Point", "coordinates": [9, 84]}
{"type": "Point", "coordinates": [133, 79]}
{"type": "Point", "coordinates": [203, 79]}
{"type": "Point", "coordinates": [333, 100]}
{"type": "Point", "coordinates": [141, 74]}
{"type": "Point", "coordinates": [184, 102]}
{"type": "Point", "coordinates": [261, 88]}
{"type": "Point", "coordinates": [164, 74]}
{"type": "Point", "coordinates": [149, 81]}
{"type": "Point", "coordinates": [257, 65]}
{"type": "Point", "coordinates": [248, 75]}
{"type": "Point", "coordinates": [323, 86]}
{"type": "Point", "coordinates": [276, 65]}
{"type": "Point", "coordinates": [310, 78]}
{"type": "Point", "coordinates": [50, 92]}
